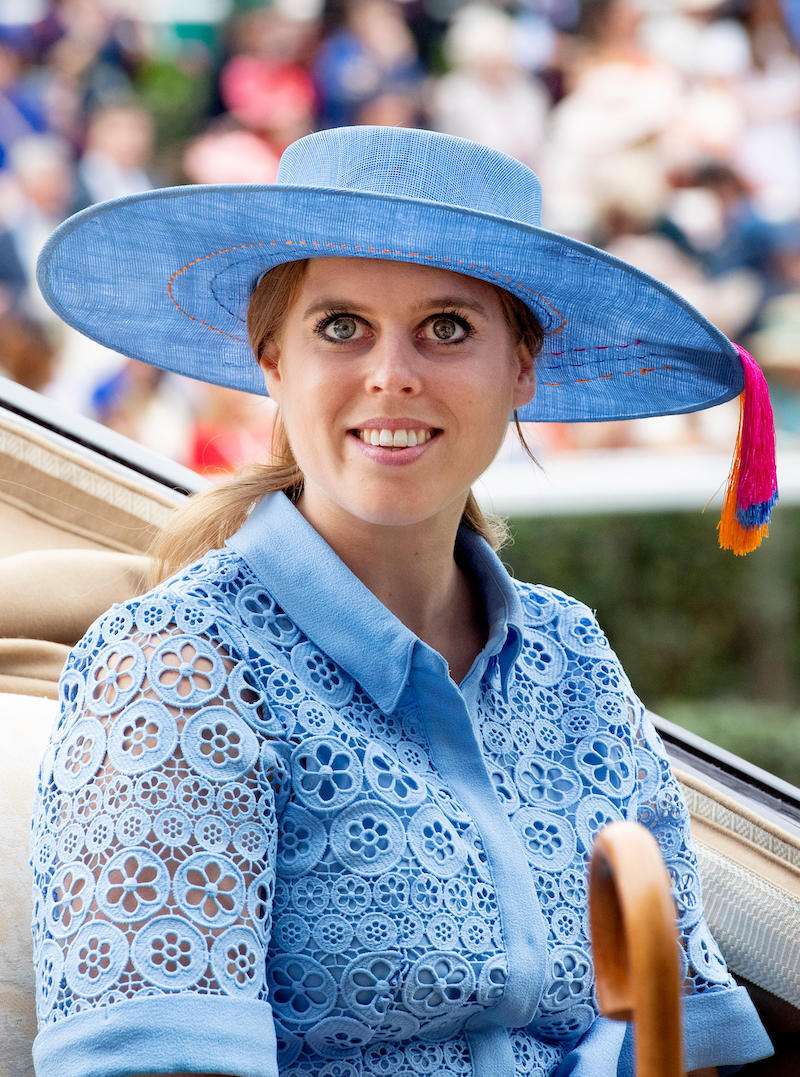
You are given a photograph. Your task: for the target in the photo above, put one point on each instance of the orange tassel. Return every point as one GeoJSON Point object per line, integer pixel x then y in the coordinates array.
{"type": "Point", "coordinates": [752, 484]}
{"type": "Point", "coordinates": [732, 536]}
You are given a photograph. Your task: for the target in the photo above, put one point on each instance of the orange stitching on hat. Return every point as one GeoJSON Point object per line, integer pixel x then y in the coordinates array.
{"type": "Point", "coordinates": [373, 250]}
{"type": "Point", "coordinates": [202, 258]}
{"type": "Point", "coordinates": [581, 381]}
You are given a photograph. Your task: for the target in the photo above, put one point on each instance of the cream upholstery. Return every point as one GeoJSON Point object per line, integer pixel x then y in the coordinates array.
{"type": "Point", "coordinates": [751, 887]}
{"type": "Point", "coordinates": [26, 722]}
{"type": "Point", "coordinates": [54, 496]}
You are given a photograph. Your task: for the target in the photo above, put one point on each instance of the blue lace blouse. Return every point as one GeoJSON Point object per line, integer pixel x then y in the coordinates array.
{"type": "Point", "coordinates": [272, 836]}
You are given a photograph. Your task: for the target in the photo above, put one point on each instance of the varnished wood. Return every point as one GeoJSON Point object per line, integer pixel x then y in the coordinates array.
{"type": "Point", "coordinates": [635, 945]}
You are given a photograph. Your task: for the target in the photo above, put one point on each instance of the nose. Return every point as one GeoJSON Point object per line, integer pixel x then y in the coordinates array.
{"type": "Point", "coordinates": [393, 366]}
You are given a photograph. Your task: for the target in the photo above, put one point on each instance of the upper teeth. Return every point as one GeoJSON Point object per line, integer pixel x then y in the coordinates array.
{"type": "Point", "coordinates": [395, 439]}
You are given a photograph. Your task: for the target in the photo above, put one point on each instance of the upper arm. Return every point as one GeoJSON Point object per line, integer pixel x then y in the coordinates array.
{"type": "Point", "coordinates": [154, 833]}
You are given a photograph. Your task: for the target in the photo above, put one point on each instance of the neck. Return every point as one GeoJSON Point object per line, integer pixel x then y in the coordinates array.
{"type": "Point", "coordinates": [412, 570]}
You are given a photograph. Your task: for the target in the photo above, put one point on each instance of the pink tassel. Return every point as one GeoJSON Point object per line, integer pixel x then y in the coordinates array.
{"type": "Point", "coordinates": [753, 484]}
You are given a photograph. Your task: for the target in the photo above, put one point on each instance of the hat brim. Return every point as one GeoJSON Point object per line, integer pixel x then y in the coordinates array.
{"type": "Point", "coordinates": [166, 277]}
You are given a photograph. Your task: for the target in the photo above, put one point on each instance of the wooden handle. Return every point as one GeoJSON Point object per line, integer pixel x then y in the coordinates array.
{"type": "Point", "coordinates": [635, 945]}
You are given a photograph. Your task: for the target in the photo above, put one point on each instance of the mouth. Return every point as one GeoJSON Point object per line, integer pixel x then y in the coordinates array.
{"type": "Point", "coordinates": [402, 438]}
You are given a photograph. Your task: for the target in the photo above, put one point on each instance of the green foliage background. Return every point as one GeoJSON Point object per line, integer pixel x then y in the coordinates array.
{"type": "Point", "coordinates": [709, 640]}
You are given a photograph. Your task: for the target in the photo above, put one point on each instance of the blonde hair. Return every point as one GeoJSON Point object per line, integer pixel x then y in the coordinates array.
{"type": "Point", "coordinates": [206, 520]}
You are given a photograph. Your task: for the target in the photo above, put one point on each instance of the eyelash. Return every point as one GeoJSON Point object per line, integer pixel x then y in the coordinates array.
{"type": "Point", "coordinates": [331, 315]}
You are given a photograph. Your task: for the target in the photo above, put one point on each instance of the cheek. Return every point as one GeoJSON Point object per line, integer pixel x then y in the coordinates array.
{"type": "Point", "coordinates": [310, 410]}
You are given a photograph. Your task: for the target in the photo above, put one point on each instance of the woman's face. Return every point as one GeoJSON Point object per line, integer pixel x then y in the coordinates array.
{"type": "Point", "coordinates": [395, 383]}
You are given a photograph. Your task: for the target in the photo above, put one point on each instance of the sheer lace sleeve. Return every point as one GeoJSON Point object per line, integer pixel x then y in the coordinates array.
{"type": "Point", "coordinates": [662, 809]}
{"type": "Point", "coordinates": [154, 851]}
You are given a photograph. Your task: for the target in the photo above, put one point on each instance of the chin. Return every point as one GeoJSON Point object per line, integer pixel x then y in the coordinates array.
{"type": "Point", "coordinates": [392, 512]}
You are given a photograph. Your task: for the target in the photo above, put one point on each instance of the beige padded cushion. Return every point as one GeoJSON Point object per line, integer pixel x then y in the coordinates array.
{"type": "Point", "coordinates": [53, 496]}
{"type": "Point", "coordinates": [72, 533]}
{"type": "Point", "coordinates": [48, 598]}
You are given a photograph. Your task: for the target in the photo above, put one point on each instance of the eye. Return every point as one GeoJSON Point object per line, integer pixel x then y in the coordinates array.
{"type": "Point", "coordinates": [447, 328]}
{"type": "Point", "coordinates": [339, 327]}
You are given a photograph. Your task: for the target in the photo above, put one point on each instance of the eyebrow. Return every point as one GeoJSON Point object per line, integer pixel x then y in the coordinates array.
{"type": "Point", "coordinates": [434, 303]}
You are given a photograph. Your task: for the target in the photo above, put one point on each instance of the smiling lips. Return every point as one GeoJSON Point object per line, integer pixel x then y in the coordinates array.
{"type": "Point", "coordinates": [394, 439]}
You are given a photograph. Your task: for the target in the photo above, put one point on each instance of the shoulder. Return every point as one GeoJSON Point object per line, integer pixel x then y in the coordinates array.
{"type": "Point", "coordinates": [542, 605]}
{"type": "Point", "coordinates": [207, 601]}
{"type": "Point", "coordinates": [562, 642]}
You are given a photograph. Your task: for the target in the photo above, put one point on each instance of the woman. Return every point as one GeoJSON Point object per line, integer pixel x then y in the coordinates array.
{"type": "Point", "coordinates": [322, 801]}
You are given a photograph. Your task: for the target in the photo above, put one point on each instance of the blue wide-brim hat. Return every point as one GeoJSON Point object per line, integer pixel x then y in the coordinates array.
{"type": "Point", "coordinates": [166, 276]}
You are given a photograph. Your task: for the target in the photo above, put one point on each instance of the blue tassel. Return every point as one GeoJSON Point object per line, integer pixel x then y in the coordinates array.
{"type": "Point", "coordinates": [757, 515]}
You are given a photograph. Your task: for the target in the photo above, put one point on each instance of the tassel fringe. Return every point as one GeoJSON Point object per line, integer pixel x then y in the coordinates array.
{"type": "Point", "coordinates": [752, 483]}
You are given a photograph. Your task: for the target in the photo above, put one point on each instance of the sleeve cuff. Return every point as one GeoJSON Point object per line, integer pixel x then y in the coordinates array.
{"type": "Point", "coordinates": [723, 1029]}
{"type": "Point", "coordinates": [161, 1034]}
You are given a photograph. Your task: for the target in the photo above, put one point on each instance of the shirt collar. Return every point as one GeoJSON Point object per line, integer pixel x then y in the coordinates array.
{"type": "Point", "coordinates": [357, 631]}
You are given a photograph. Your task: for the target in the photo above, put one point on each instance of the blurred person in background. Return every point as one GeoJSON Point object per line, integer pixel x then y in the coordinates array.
{"type": "Point", "coordinates": [22, 108]}
{"type": "Point", "coordinates": [272, 99]}
{"type": "Point", "coordinates": [88, 54]}
{"type": "Point", "coordinates": [118, 153]}
{"type": "Point", "coordinates": [265, 84]}
{"type": "Point", "coordinates": [269, 99]}
{"type": "Point", "coordinates": [777, 343]}
{"type": "Point", "coordinates": [712, 215]}
{"type": "Point", "coordinates": [39, 194]}
{"type": "Point", "coordinates": [777, 338]}
{"type": "Point", "coordinates": [370, 55]}
{"type": "Point", "coordinates": [709, 52]}
{"type": "Point", "coordinates": [487, 95]}
{"type": "Point", "coordinates": [147, 405]}
{"type": "Point", "coordinates": [229, 430]}
{"type": "Point", "coordinates": [27, 351]}
{"type": "Point", "coordinates": [618, 99]}
{"type": "Point", "coordinates": [768, 154]}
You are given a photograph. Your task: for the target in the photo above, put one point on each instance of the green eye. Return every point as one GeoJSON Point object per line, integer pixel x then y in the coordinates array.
{"type": "Point", "coordinates": [343, 328]}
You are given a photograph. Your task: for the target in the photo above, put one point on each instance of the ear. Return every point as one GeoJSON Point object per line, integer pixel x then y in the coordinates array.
{"type": "Point", "coordinates": [269, 363]}
{"type": "Point", "coordinates": [525, 385]}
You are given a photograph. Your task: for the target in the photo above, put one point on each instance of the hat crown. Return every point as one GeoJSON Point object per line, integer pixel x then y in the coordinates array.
{"type": "Point", "coordinates": [407, 163]}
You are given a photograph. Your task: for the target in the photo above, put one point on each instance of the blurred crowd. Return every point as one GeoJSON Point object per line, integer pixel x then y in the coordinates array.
{"type": "Point", "coordinates": [665, 131]}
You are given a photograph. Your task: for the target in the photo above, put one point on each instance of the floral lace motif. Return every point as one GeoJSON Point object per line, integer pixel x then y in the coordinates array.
{"type": "Point", "coordinates": [224, 810]}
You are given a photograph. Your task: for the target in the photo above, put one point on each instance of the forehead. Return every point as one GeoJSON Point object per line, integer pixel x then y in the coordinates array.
{"type": "Point", "coordinates": [378, 279]}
